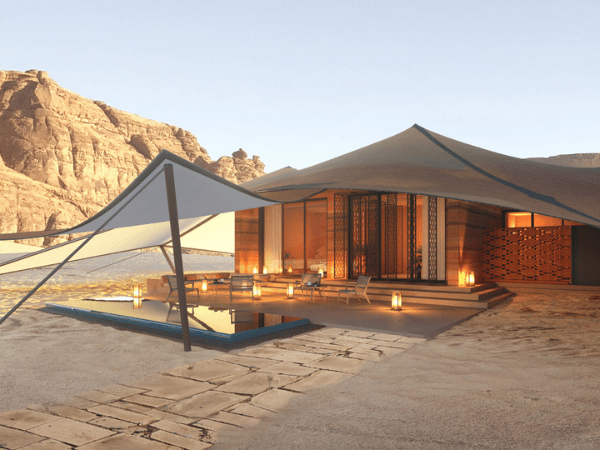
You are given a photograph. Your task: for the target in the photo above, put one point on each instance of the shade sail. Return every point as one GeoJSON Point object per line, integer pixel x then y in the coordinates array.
{"type": "Point", "coordinates": [212, 233]}
{"type": "Point", "coordinates": [418, 161]}
{"type": "Point", "coordinates": [144, 201]}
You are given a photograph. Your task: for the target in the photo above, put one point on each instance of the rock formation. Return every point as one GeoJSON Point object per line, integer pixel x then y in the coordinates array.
{"type": "Point", "coordinates": [63, 157]}
{"type": "Point", "coordinates": [584, 160]}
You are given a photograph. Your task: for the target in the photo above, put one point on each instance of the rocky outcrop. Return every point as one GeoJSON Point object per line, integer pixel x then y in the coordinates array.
{"type": "Point", "coordinates": [63, 153]}
{"type": "Point", "coordinates": [584, 160]}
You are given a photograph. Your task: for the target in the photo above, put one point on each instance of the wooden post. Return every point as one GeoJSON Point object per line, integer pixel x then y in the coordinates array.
{"type": "Point", "coordinates": [173, 217]}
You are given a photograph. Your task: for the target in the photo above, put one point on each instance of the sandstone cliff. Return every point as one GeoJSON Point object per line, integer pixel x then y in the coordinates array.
{"type": "Point", "coordinates": [584, 160]}
{"type": "Point", "coordinates": [63, 157]}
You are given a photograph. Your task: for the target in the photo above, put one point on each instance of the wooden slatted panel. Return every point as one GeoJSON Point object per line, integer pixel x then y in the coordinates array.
{"type": "Point", "coordinates": [537, 254]}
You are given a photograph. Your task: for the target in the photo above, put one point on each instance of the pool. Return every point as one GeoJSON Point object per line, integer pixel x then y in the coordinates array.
{"type": "Point", "coordinates": [206, 324]}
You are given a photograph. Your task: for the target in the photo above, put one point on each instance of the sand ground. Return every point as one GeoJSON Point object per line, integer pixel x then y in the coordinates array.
{"type": "Point", "coordinates": [522, 375]}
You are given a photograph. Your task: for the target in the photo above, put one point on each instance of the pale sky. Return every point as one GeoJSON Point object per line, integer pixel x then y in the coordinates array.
{"type": "Point", "coordinates": [300, 82]}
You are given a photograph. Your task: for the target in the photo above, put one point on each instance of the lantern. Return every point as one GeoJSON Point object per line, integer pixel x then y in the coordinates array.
{"type": "Point", "coordinates": [396, 301]}
{"type": "Point", "coordinates": [255, 270]}
{"type": "Point", "coordinates": [204, 286]}
{"type": "Point", "coordinates": [289, 269]}
{"type": "Point", "coordinates": [471, 279]}
{"type": "Point", "coordinates": [137, 296]}
{"type": "Point", "coordinates": [256, 292]}
{"type": "Point", "coordinates": [321, 271]}
{"type": "Point", "coordinates": [290, 290]}
{"type": "Point", "coordinates": [265, 270]}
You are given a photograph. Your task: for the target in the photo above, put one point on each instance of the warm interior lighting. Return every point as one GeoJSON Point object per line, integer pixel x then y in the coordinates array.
{"type": "Point", "coordinates": [289, 269]}
{"type": "Point", "coordinates": [397, 301]}
{"type": "Point", "coordinates": [471, 279]}
{"type": "Point", "coordinates": [290, 290]}
{"type": "Point", "coordinates": [255, 270]}
{"type": "Point", "coordinates": [265, 270]}
{"type": "Point", "coordinates": [204, 286]}
{"type": "Point", "coordinates": [137, 296]}
{"type": "Point", "coordinates": [256, 292]}
{"type": "Point", "coordinates": [321, 271]}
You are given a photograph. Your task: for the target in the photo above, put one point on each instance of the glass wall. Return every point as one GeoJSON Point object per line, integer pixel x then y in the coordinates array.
{"type": "Point", "coordinates": [519, 219]}
{"type": "Point", "coordinates": [305, 236]}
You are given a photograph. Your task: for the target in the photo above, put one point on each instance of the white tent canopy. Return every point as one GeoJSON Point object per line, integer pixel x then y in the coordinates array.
{"type": "Point", "coordinates": [211, 233]}
{"type": "Point", "coordinates": [205, 203]}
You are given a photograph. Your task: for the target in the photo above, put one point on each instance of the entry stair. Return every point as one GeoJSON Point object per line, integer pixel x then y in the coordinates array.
{"type": "Point", "coordinates": [481, 296]}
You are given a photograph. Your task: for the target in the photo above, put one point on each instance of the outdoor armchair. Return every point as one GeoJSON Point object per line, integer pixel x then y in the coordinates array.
{"type": "Point", "coordinates": [358, 291]}
{"type": "Point", "coordinates": [172, 280]}
{"type": "Point", "coordinates": [240, 283]}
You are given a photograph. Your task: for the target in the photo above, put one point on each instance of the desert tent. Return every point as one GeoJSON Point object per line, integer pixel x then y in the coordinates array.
{"type": "Point", "coordinates": [418, 161]}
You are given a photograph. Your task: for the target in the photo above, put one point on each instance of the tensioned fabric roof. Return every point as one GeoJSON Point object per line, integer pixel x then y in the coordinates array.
{"type": "Point", "coordinates": [199, 193]}
{"type": "Point", "coordinates": [418, 161]}
{"type": "Point", "coordinates": [141, 216]}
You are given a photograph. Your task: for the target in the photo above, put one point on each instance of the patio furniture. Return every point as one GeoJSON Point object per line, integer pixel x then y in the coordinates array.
{"type": "Point", "coordinates": [172, 280]}
{"type": "Point", "coordinates": [311, 282]}
{"type": "Point", "coordinates": [359, 290]}
{"type": "Point", "coordinates": [240, 283]}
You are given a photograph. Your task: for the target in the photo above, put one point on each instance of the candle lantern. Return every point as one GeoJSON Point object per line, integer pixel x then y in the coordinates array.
{"type": "Point", "coordinates": [137, 296]}
{"type": "Point", "coordinates": [471, 279]}
{"type": "Point", "coordinates": [290, 290]}
{"type": "Point", "coordinates": [256, 291]}
{"type": "Point", "coordinates": [396, 301]}
{"type": "Point", "coordinates": [204, 286]}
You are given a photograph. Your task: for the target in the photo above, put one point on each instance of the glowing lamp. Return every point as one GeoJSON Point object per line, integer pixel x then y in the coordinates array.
{"type": "Point", "coordinates": [204, 286]}
{"type": "Point", "coordinates": [289, 269]}
{"type": "Point", "coordinates": [471, 279]}
{"type": "Point", "coordinates": [290, 290]}
{"type": "Point", "coordinates": [321, 271]}
{"type": "Point", "coordinates": [256, 291]}
{"type": "Point", "coordinates": [137, 296]}
{"type": "Point", "coordinates": [255, 270]}
{"type": "Point", "coordinates": [396, 301]}
{"type": "Point", "coordinates": [265, 270]}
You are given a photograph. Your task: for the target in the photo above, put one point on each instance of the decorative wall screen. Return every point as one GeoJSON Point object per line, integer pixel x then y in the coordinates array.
{"type": "Point", "coordinates": [340, 236]}
{"type": "Point", "coordinates": [527, 254]}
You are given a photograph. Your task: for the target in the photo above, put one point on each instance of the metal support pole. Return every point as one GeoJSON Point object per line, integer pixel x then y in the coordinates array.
{"type": "Point", "coordinates": [173, 217]}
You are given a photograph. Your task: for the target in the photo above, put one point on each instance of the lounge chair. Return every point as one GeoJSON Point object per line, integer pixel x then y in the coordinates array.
{"type": "Point", "coordinates": [359, 290]}
{"type": "Point", "coordinates": [240, 283]}
{"type": "Point", "coordinates": [312, 283]}
{"type": "Point", "coordinates": [172, 280]}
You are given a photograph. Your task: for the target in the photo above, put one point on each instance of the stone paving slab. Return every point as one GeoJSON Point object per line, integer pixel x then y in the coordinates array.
{"type": "Point", "coordinates": [319, 380]}
{"type": "Point", "coordinates": [256, 382]}
{"type": "Point", "coordinates": [179, 441]}
{"type": "Point", "coordinates": [209, 370]}
{"type": "Point", "coordinates": [338, 363]}
{"type": "Point", "coordinates": [235, 419]}
{"type": "Point", "coordinates": [25, 419]}
{"type": "Point", "coordinates": [146, 400]}
{"type": "Point", "coordinates": [250, 361]}
{"type": "Point", "coordinates": [71, 432]}
{"type": "Point", "coordinates": [274, 400]}
{"type": "Point", "coordinates": [188, 406]}
{"type": "Point", "coordinates": [120, 390]}
{"type": "Point", "coordinates": [174, 388]}
{"type": "Point", "coordinates": [48, 444]}
{"type": "Point", "coordinates": [288, 368]}
{"type": "Point", "coordinates": [126, 441]}
{"type": "Point", "coordinates": [246, 409]}
{"type": "Point", "coordinates": [123, 414]}
{"type": "Point", "coordinates": [203, 405]}
{"type": "Point", "coordinates": [13, 438]}
{"type": "Point", "coordinates": [99, 397]}
{"type": "Point", "coordinates": [65, 411]}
